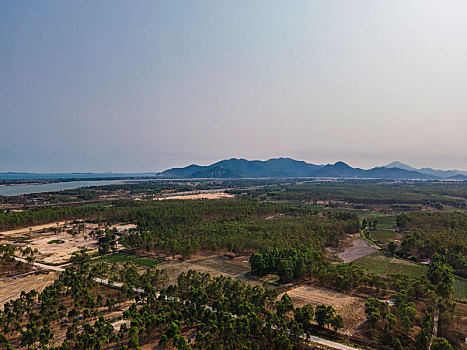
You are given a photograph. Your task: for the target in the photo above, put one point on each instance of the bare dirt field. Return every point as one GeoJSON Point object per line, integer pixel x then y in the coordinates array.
{"type": "Point", "coordinates": [60, 253]}
{"type": "Point", "coordinates": [31, 229]}
{"type": "Point", "coordinates": [54, 244]}
{"type": "Point", "coordinates": [11, 288]}
{"type": "Point", "coordinates": [215, 265]}
{"type": "Point", "coordinates": [123, 227]}
{"type": "Point", "coordinates": [359, 249]}
{"type": "Point", "coordinates": [351, 308]}
{"type": "Point", "coordinates": [217, 195]}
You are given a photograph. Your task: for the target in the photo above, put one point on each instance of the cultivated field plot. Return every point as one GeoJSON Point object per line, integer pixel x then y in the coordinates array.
{"type": "Point", "coordinates": [123, 257]}
{"type": "Point", "coordinates": [351, 308]}
{"type": "Point", "coordinates": [382, 265]}
{"type": "Point", "coordinates": [359, 248]}
{"type": "Point", "coordinates": [386, 222]}
{"type": "Point", "coordinates": [11, 288]}
{"type": "Point", "coordinates": [460, 288]}
{"type": "Point", "coordinates": [215, 265]}
{"type": "Point", "coordinates": [384, 235]}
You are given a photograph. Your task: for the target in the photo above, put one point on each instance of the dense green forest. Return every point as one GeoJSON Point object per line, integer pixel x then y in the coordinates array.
{"type": "Point", "coordinates": [184, 226]}
{"type": "Point", "coordinates": [37, 216]}
{"type": "Point", "coordinates": [368, 192]}
{"type": "Point", "coordinates": [269, 225]}
{"type": "Point", "coordinates": [305, 262]}
{"type": "Point", "coordinates": [146, 213]}
{"type": "Point", "coordinates": [427, 233]}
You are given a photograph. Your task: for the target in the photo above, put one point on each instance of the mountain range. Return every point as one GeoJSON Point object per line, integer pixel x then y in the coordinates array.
{"type": "Point", "coordinates": [287, 167]}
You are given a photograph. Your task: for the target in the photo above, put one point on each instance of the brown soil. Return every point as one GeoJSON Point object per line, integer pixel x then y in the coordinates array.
{"type": "Point", "coordinates": [351, 308]}
{"type": "Point", "coordinates": [217, 195]}
{"type": "Point", "coordinates": [11, 288]}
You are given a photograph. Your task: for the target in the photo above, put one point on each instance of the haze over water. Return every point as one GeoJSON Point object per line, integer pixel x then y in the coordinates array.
{"type": "Point", "coordinates": [17, 190]}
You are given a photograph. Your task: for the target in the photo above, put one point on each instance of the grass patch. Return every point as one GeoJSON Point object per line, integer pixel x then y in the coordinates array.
{"type": "Point", "coordinates": [383, 235]}
{"type": "Point", "coordinates": [56, 241]}
{"type": "Point", "coordinates": [384, 221]}
{"type": "Point", "coordinates": [270, 278]}
{"type": "Point", "coordinates": [123, 257]}
{"type": "Point", "coordinates": [379, 264]}
{"type": "Point", "coordinates": [460, 288]}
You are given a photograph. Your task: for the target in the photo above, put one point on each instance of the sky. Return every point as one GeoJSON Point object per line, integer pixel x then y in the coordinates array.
{"type": "Point", "coordinates": [135, 86]}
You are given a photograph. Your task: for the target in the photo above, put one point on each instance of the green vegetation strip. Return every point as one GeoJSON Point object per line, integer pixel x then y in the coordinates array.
{"type": "Point", "coordinates": [124, 257]}
{"type": "Point", "coordinates": [56, 241]}
{"type": "Point", "coordinates": [379, 264]}
{"type": "Point", "coordinates": [460, 288]}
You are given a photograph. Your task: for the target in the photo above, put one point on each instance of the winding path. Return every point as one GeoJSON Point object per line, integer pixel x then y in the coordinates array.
{"type": "Point", "coordinates": [435, 327]}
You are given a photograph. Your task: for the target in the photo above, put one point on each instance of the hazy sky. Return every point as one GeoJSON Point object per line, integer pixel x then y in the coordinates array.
{"type": "Point", "coordinates": [147, 85]}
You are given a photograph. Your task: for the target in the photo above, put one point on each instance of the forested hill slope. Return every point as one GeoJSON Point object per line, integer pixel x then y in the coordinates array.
{"type": "Point", "coordinates": [287, 167]}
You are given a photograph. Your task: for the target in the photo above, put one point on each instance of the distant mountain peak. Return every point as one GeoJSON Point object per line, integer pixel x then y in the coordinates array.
{"type": "Point", "coordinates": [342, 165]}
{"type": "Point", "coordinates": [400, 165]}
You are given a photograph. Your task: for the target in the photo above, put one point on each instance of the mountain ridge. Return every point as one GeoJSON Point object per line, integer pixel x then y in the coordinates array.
{"type": "Point", "coordinates": [445, 174]}
{"type": "Point", "coordinates": [287, 167]}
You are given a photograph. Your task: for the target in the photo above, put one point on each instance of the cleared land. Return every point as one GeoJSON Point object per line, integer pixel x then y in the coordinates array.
{"type": "Point", "coordinates": [382, 265]}
{"type": "Point", "coordinates": [59, 253]}
{"type": "Point", "coordinates": [11, 288]}
{"type": "Point", "coordinates": [359, 248]}
{"type": "Point", "coordinates": [218, 195]}
{"type": "Point", "coordinates": [215, 265]}
{"type": "Point", "coordinates": [56, 242]}
{"type": "Point", "coordinates": [351, 308]}
{"type": "Point", "coordinates": [31, 229]}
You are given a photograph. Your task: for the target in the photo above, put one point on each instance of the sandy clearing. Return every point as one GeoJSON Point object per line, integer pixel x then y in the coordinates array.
{"type": "Point", "coordinates": [31, 228]}
{"type": "Point", "coordinates": [59, 253]}
{"type": "Point", "coordinates": [359, 249]}
{"type": "Point", "coordinates": [217, 195]}
{"type": "Point", "coordinates": [54, 253]}
{"type": "Point", "coordinates": [123, 227]}
{"type": "Point", "coordinates": [351, 308]}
